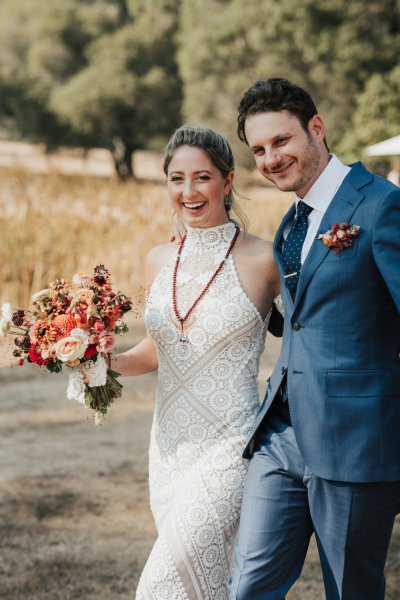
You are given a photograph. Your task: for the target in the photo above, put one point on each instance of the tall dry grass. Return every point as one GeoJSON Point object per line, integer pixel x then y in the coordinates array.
{"type": "Point", "coordinates": [54, 226]}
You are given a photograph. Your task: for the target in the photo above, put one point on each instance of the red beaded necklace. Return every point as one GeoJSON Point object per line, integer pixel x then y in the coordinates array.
{"type": "Point", "coordinates": [180, 318]}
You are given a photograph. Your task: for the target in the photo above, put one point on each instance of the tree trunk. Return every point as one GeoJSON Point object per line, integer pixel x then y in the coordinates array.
{"type": "Point", "coordinates": [122, 155]}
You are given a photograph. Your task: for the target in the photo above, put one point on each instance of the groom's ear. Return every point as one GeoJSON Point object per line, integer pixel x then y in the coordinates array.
{"type": "Point", "coordinates": [316, 128]}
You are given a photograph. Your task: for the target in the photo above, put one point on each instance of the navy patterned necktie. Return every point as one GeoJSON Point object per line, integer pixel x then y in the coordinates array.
{"type": "Point", "coordinates": [293, 245]}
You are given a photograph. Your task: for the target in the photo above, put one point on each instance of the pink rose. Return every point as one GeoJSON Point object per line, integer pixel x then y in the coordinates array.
{"type": "Point", "coordinates": [98, 326]}
{"type": "Point", "coordinates": [105, 342]}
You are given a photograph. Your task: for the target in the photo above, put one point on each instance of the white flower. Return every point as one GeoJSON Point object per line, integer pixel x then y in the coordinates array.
{"type": "Point", "coordinates": [6, 311]}
{"type": "Point", "coordinates": [76, 386]}
{"type": "Point", "coordinates": [81, 334]}
{"type": "Point", "coordinates": [72, 347]}
{"type": "Point", "coordinates": [81, 279]}
{"type": "Point", "coordinates": [40, 294]}
{"type": "Point", "coordinates": [5, 321]}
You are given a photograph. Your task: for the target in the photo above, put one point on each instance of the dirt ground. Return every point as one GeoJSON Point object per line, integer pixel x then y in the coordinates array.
{"type": "Point", "coordinates": [74, 515]}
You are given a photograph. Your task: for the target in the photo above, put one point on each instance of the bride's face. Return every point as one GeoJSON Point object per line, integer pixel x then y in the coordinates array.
{"type": "Point", "coordinates": [197, 188]}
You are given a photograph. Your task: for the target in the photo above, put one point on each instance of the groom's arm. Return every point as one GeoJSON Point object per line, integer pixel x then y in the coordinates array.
{"type": "Point", "coordinates": [386, 243]}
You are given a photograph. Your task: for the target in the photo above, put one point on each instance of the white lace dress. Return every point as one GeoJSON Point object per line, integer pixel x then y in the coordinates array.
{"type": "Point", "coordinates": [207, 398]}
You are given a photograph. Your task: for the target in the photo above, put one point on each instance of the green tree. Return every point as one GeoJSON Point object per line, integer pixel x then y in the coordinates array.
{"type": "Point", "coordinates": [331, 47]}
{"type": "Point", "coordinates": [94, 73]}
{"type": "Point", "coordinates": [377, 114]}
{"type": "Point", "coordinates": [41, 45]}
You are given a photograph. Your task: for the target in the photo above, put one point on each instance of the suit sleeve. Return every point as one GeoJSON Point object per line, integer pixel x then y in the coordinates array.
{"type": "Point", "coordinates": [386, 243]}
{"type": "Point", "coordinates": [275, 325]}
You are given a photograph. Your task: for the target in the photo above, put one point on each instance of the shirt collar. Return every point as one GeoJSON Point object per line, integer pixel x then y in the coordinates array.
{"type": "Point", "coordinates": [324, 188]}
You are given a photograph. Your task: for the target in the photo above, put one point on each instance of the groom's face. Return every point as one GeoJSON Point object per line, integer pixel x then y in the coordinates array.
{"type": "Point", "coordinates": [286, 154]}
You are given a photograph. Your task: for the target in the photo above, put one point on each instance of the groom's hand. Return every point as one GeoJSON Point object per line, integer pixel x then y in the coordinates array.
{"type": "Point", "coordinates": [275, 325]}
{"type": "Point", "coordinates": [176, 236]}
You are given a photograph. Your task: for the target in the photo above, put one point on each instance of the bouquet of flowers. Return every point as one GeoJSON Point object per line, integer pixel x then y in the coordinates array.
{"type": "Point", "coordinates": [73, 323]}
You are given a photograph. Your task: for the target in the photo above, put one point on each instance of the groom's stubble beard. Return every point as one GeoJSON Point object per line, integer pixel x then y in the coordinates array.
{"type": "Point", "coordinates": [308, 165]}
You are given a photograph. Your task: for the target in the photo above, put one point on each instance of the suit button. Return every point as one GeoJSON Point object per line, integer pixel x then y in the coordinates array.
{"type": "Point", "coordinates": [283, 370]}
{"type": "Point", "coordinates": [296, 326]}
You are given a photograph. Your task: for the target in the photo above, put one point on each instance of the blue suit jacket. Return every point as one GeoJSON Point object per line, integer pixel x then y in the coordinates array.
{"type": "Point", "coordinates": [341, 340]}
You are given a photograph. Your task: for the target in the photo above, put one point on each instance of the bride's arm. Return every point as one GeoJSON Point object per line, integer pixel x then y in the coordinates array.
{"type": "Point", "coordinates": [140, 359]}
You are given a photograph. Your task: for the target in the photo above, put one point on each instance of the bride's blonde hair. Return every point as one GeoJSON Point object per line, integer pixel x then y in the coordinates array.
{"type": "Point", "coordinates": [218, 150]}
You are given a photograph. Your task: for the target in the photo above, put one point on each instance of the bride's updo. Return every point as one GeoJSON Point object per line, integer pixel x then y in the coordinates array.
{"type": "Point", "coordinates": [218, 150]}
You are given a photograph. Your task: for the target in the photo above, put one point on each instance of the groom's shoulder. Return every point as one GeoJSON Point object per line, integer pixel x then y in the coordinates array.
{"type": "Point", "coordinates": [361, 177]}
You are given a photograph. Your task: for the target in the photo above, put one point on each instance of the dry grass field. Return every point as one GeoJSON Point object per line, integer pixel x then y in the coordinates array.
{"type": "Point", "coordinates": [74, 515]}
{"type": "Point", "coordinates": [54, 225]}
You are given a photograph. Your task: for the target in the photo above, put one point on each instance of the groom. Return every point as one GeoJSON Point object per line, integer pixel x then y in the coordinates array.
{"type": "Point", "coordinates": [325, 446]}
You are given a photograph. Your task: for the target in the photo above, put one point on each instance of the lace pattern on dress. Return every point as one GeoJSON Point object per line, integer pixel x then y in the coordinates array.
{"type": "Point", "coordinates": [207, 398]}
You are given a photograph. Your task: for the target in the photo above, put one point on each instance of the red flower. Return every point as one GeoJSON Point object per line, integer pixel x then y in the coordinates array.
{"type": "Point", "coordinates": [36, 357]}
{"type": "Point", "coordinates": [18, 317]}
{"type": "Point", "coordinates": [90, 351]}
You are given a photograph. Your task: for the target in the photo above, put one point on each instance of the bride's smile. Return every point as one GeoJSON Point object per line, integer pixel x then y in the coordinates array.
{"type": "Point", "coordinates": [197, 188]}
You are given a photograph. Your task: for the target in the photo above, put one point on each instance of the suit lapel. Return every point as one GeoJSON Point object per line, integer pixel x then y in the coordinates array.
{"type": "Point", "coordinates": [341, 209]}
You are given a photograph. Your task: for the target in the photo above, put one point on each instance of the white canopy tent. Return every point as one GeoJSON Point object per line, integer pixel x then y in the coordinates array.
{"type": "Point", "coordinates": [389, 147]}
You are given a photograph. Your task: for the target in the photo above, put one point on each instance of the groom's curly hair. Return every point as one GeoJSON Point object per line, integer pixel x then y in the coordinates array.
{"type": "Point", "coordinates": [275, 94]}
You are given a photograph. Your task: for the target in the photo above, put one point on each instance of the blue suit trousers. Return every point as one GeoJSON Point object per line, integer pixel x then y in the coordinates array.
{"type": "Point", "coordinates": [284, 503]}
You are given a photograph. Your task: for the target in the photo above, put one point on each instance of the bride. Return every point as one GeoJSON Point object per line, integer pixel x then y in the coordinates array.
{"type": "Point", "coordinates": [207, 314]}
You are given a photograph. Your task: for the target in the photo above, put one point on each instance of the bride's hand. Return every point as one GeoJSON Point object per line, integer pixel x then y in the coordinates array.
{"type": "Point", "coordinates": [278, 302]}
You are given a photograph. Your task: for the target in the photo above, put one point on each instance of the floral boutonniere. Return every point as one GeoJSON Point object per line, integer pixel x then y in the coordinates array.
{"type": "Point", "coordinates": [340, 236]}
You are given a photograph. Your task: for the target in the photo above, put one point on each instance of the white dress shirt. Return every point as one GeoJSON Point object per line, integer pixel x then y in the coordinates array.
{"type": "Point", "coordinates": [319, 197]}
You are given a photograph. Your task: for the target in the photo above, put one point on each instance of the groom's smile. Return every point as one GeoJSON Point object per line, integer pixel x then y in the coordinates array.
{"type": "Point", "coordinates": [280, 169]}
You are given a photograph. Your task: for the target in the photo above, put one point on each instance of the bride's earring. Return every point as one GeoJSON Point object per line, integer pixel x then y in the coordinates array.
{"type": "Point", "coordinates": [228, 202]}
